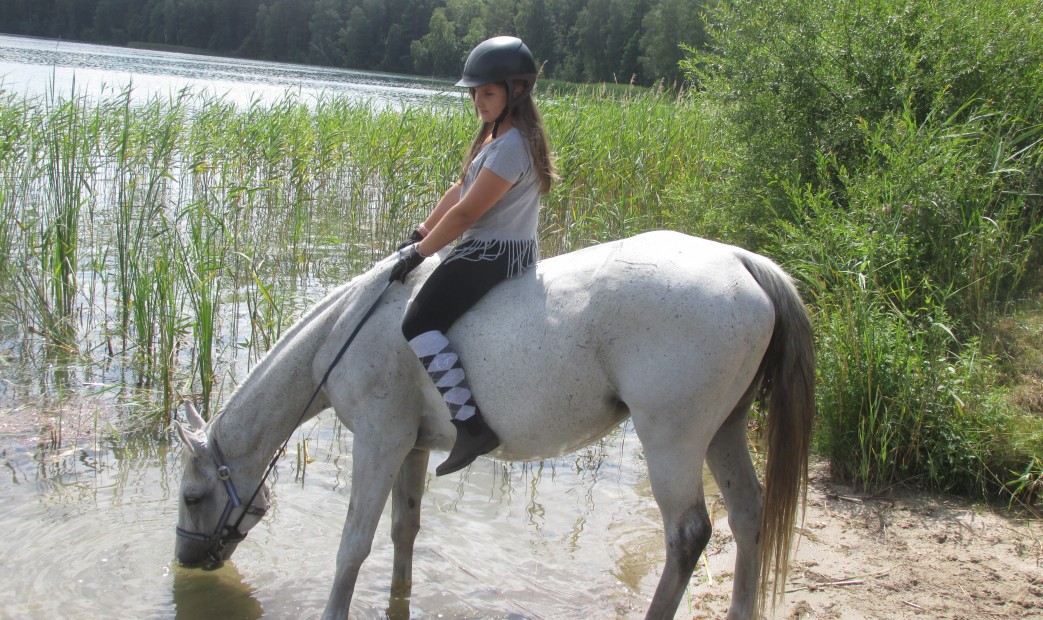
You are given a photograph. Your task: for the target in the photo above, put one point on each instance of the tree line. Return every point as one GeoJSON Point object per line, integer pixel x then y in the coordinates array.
{"type": "Point", "coordinates": [636, 41]}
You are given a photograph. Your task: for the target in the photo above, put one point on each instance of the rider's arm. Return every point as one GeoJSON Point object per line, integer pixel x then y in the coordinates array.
{"type": "Point", "coordinates": [487, 190]}
{"type": "Point", "coordinates": [448, 199]}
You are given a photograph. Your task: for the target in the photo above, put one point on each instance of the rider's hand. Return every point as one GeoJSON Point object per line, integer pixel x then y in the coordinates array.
{"type": "Point", "coordinates": [416, 237]}
{"type": "Point", "coordinates": [408, 259]}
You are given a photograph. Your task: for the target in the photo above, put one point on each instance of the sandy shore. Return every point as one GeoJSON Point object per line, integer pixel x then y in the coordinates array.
{"type": "Point", "coordinates": [898, 554]}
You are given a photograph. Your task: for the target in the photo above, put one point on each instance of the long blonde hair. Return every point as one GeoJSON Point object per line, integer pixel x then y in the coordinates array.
{"type": "Point", "coordinates": [527, 120]}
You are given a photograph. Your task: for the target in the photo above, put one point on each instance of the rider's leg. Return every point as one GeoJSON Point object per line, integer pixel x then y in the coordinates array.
{"type": "Point", "coordinates": [473, 436]}
{"type": "Point", "coordinates": [451, 289]}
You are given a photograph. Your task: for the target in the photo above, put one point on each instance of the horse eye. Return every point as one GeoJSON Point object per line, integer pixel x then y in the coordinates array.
{"type": "Point", "coordinates": [193, 500]}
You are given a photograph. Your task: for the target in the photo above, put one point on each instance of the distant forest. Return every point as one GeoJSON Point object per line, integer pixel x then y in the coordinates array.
{"type": "Point", "coordinates": [576, 40]}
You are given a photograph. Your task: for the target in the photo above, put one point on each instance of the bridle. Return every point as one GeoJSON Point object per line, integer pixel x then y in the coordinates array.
{"type": "Point", "coordinates": [225, 534]}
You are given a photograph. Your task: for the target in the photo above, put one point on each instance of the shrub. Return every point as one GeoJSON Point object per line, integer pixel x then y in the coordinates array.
{"type": "Point", "coordinates": [888, 153]}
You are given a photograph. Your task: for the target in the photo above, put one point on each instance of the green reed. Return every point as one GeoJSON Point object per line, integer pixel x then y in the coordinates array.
{"type": "Point", "coordinates": [145, 142]}
{"type": "Point", "coordinates": [209, 226]}
{"type": "Point", "coordinates": [629, 162]}
{"type": "Point", "coordinates": [15, 122]}
{"type": "Point", "coordinates": [49, 193]}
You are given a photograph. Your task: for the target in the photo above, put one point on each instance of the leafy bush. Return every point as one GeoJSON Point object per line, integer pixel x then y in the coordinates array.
{"type": "Point", "coordinates": [888, 152]}
{"type": "Point", "coordinates": [801, 75]}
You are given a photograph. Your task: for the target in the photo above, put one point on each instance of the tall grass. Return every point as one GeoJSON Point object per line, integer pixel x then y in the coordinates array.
{"type": "Point", "coordinates": [14, 116]}
{"type": "Point", "coordinates": [628, 160]}
{"type": "Point", "coordinates": [201, 228]}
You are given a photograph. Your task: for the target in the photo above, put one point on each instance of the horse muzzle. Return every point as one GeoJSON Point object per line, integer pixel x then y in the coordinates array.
{"type": "Point", "coordinates": [206, 551]}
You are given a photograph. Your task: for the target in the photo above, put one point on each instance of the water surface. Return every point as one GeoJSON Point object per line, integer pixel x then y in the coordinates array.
{"type": "Point", "coordinates": [30, 66]}
{"type": "Point", "coordinates": [89, 533]}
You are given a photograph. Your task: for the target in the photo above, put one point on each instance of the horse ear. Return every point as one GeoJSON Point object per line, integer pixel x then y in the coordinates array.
{"type": "Point", "coordinates": [194, 441]}
{"type": "Point", "coordinates": [194, 419]}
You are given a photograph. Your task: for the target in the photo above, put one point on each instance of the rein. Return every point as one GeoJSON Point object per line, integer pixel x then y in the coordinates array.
{"type": "Point", "coordinates": [224, 533]}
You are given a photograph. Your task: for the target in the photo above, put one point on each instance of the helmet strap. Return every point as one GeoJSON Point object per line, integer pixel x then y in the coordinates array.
{"type": "Point", "coordinates": [506, 109]}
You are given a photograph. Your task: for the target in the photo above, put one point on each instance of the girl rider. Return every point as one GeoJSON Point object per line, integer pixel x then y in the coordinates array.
{"type": "Point", "coordinates": [494, 207]}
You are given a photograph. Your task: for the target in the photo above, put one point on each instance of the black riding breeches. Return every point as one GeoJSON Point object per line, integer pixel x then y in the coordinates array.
{"type": "Point", "coordinates": [450, 291]}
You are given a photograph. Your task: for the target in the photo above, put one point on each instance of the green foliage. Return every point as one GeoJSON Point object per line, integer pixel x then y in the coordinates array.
{"type": "Point", "coordinates": [900, 397]}
{"type": "Point", "coordinates": [801, 76]}
{"type": "Point", "coordinates": [628, 160]}
{"type": "Point", "coordinates": [888, 152]}
{"type": "Point", "coordinates": [1028, 486]}
{"type": "Point", "coordinates": [172, 234]}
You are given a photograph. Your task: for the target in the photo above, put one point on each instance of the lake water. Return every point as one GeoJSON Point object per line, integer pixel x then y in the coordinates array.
{"type": "Point", "coordinates": [43, 67]}
{"type": "Point", "coordinates": [88, 514]}
{"type": "Point", "coordinates": [88, 533]}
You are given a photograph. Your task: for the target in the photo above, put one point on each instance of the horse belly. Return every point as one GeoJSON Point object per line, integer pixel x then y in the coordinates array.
{"type": "Point", "coordinates": [543, 389]}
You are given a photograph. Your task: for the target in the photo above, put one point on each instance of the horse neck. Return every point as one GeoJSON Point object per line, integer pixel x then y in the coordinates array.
{"type": "Point", "coordinates": [274, 398]}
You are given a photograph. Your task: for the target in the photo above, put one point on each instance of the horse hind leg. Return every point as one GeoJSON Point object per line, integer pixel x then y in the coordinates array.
{"type": "Point", "coordinates": [675, 471]}
{"type": "Point", "coordinates": [687, 535]}
{"type": "Point", "coordinates": [729, 459]}
{"type": "Point", "coordinates": [406, 495]}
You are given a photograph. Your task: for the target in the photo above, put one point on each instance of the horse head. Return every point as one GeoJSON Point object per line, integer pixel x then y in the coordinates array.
{"type": "Point", "coordinates": [212, 516]}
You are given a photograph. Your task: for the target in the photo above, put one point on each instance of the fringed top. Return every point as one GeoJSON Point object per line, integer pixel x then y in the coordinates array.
{"type": "Point", "coordinates": [521, 255]}
{"type": "Point", "coordinates": [510, 226]}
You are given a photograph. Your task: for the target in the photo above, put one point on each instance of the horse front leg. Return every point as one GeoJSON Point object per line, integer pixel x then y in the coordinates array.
{"type": "Point", "coordinates": [373, 470]}
{"type": "Point", "coordinates": [406, 498]}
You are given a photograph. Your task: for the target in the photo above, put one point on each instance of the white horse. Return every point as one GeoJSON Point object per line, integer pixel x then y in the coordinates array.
{"type": "Point", "coordinates": [680, 333]}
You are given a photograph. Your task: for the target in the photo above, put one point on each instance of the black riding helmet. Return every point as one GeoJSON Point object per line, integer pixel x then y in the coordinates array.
{"type": "Point", "coordinates": [501, 59]}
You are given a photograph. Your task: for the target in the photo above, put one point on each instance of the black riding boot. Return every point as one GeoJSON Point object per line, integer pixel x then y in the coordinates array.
{"type": "Point", "coordinates": [473, 437]}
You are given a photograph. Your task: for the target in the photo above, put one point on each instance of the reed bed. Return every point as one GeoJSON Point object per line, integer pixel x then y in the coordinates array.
{"type": "Point", "coordinates": [160, 247]}
{"type": "Point", "coordinates": [630, 160]}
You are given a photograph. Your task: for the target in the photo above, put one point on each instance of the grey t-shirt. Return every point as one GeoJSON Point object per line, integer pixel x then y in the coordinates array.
{"type": "Point", "coordinates": [516, 216]}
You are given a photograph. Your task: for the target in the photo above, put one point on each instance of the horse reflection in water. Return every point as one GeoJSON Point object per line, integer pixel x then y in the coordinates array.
{"type": "Point", "coordinates": [682, 334]}
{"type": "Point", "coordinates": [216, 594]}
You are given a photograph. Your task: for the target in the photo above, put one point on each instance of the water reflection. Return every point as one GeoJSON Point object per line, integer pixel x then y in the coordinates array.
{"type": "Point", "coordinates": [44, 66]}
{"type": "Point", "coordinates": [221, 593]}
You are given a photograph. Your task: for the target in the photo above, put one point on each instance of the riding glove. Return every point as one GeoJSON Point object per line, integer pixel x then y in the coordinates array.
{"type": "Point", "coordinates": [416, 237]}
{"type": "Point", "coordinates": [408, 260]}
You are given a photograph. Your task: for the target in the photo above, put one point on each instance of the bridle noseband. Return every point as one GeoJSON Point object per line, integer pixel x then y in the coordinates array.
{"type": "Point", "coordinates": [224, 533]}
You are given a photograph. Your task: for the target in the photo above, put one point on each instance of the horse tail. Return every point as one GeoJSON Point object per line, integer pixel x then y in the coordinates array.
{"type": "Point", "coordinates": [787, 376]}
